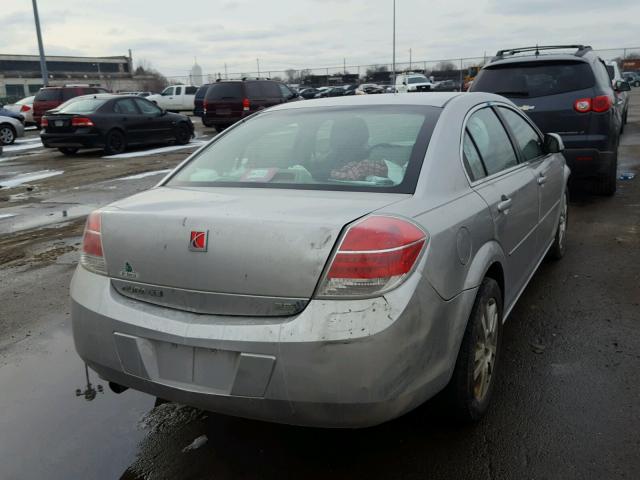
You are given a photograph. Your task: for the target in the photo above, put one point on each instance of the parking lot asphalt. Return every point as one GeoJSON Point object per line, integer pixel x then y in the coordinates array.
{"type": "Point", "coordinates": [566, 405]}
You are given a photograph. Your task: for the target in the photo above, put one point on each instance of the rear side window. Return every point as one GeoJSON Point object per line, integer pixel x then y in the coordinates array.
{"type": "Point", "coordinates": [190, 90]}
{"type": "Point", "coordinates": [178, 90]}
{"type": "Point", "coordinates": [534, 79]}
{"type": "Point", "coordinates": [225, 91]}
{"type": "Point", "coordinates": [492, 141]}
{"type": "Point", "coordinates": [126, 107]}
{"type": "Point", "coordinates": [472, 160]}
{"type": "Point", "coordinates": [255, 90]}
{"type": "Point", "coordinates": [49, 95]}
{"type": "Point", "coordinates": [271, 90]}
{"type": "Point", "coordinates": [68, 93]}
{"type": "Point", "coordinates": [525, 136]}
{"type": "Point", "coordinates": [202, 91]}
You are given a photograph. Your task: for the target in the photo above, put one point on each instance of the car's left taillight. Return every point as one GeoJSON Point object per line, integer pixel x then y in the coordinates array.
{"type": "Point", "coordinates": [92, 257]}
{"type": "Point", "coordinates": [82, 122]}
{"type": "Point", "coordinates": [25, 108]}
{"type": "Point", "coordinates": [375, 255]}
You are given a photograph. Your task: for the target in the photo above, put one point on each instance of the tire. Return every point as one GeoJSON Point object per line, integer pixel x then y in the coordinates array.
{"type": "Point", "coordinates": [606, 184]}
{"type": "Point", "coordinates": [556, 252]}
{"type": "Point", "coordinates": [115, 142]}
{"type": "Point", "coordinates": [182, 134]}
{"type": "Point", "coordinates": [160, 401]}
{"type": "Point", "coordinates": [206, 123]}
{"type": "Point", "coordinates": [7, 134]}
{"type": "Point", "coordinates": [69, 151]}
{"type": "Point", "coordinates": [472, 384]}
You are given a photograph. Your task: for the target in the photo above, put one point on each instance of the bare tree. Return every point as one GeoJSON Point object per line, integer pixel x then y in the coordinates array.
{"type": "Point", "coordinates": [291, 75]}
{"type": "Point", "coordinates": [445, 66]}
{"type": "Point", "coordinates": [153, 80]}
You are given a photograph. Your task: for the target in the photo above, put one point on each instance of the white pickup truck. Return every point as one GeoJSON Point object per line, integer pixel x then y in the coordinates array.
{"type": "Point", "coordinates": [175, 98]}
{"type": "Point", "coordinates": [413, 82]}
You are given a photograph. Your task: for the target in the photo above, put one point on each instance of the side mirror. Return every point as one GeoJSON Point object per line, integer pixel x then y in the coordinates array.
{"type": "Point", "coordinates": [404, 82]}
{"type": "Point", "coordinates": [622, 86]}
{"type": "Point", "coordinates": [553, 143]}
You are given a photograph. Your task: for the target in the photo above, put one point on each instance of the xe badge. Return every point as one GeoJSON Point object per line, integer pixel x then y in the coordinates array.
{"type": "Point", "coordinates": [198, 241]}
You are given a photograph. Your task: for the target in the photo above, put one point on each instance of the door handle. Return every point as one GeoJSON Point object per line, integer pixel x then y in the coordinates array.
{"type": "Point", "coordinates": [505, 204]}
{"type": "Point", "coordinates": [542, 179]}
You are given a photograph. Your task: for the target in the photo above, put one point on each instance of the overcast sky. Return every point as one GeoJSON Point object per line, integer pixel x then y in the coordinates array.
{"type": "Point", "coordinates": [308, 33]}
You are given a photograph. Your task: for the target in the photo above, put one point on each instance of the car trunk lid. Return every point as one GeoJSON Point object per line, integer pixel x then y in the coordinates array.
{"type": "Point", "coordinates": [264, 252]}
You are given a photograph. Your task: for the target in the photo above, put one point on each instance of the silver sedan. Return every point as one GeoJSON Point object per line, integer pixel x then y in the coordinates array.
{"type": "Point", "coordinates": [328, 263]}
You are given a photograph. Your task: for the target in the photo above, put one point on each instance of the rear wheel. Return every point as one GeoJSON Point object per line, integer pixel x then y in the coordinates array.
{"type": "Point", "coordinates": [206, 122]}
{"type": "Point", "coordinates": [183, 134]}
{"type": "Point", "coordinates": [557, 250]}
{"type": "Point", "coordinates": [7, 134]}
{"type": "Point", "coordinates": [606, 184]}
{"type": "Point", "coordinates": [68, 150]}
{"type": "Point", "coordinates": [115, 143]}
{"type": "Point", "coordinates": [473, 379]}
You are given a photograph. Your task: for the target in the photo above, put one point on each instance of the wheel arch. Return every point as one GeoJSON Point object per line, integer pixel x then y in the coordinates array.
{"type": "Point", "coordinates": [489, 261]}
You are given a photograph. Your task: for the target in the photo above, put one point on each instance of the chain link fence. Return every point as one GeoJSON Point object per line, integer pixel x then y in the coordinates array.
{"type": "Point", "coordinates": [457, 71]}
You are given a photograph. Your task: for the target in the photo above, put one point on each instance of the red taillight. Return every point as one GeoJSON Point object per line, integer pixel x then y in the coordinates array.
{"type": "Point", "coordinates": [44, 122]}
{"type": "Point", "coordinates": [205, 105]}
{"type": "Point", "coordinates": [92, 257]}
{"type": "Point", "coordinates": [245, 104]}
{"type": "Point", "coordinates": [375, 256]}
{"type": "Point", "coordinates": [81, 122]}
{"type": "Point", "coordinates": [601, 103]}
{"type": "Point", "coordinates": [582, 105]}
{"type": "Point", "coordinates": [25, 108]}
{"type": "Point", "coordinates": [598, 104]}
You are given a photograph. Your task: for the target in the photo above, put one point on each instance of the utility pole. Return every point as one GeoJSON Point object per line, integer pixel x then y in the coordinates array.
{"type": "Point", "coordinates": [393, 75]}
{"type": "Point", "coordinates": [258, 63]}
{"type": "Point", "coordinates": [226, 75]}
{"type": "Point", "coordinates": [344, 65]}
{"type": "Point", "coordinates": [43, 60]}
{"type": "Point", "coordinates": [409, 59]}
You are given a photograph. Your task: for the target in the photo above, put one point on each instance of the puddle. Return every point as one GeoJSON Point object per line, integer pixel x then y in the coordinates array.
{"type": "Point", "coordinates": [28, 177]}
{"type": "Point", "coordinates": [146, 174]}
{"type": "Point", "coordinates": [54, 433]}
{"type": "Point", "coordinates": [154, 151]}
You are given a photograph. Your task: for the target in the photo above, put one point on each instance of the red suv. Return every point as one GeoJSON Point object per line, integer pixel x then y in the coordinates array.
{"type": "Point", "coordinates": [49, 98]}
{"type": "Point", "coordinates": [226, 102]}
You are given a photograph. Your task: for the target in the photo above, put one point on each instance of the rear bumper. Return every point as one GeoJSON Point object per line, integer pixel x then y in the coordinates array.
{"type": "Point", "coordinates": [222, 120]}
{"type": "Point", "coordinates": [350, 363]}
{"type": "Point", "coordinates": [588, 162]}
{"type": "Point", "coordinates": [57, 140]}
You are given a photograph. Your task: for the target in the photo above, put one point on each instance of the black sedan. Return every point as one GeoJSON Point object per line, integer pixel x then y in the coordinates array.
{"type": "Point", "coordinates": [111, 122]}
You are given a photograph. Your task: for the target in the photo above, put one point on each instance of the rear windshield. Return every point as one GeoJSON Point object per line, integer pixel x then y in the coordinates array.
{"type": "Point", "coordinates": [535, 79]}
{"type": "Point", "coordinates": [224, 91]}
{"type": "Point", "coordinates": [350, 148]}
{"type": "Point", "coordinates": [89, 105]}
{"type": "Point", "coordinates": [49, 95]}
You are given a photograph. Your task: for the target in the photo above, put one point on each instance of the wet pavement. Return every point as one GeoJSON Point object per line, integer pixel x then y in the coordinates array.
{"type": "Point", "coordinates": [566, 405]}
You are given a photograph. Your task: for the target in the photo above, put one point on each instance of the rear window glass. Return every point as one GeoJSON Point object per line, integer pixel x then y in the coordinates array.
{"type": "Point", "coordinates": [535, 79]}
{"type": "Point", "coordinates": [224, 91]}
{"type": "Point", "coordinates": [255, 90]}
{"type": "Point", "coordinates": [88, 105]}
{"type": "Point", "coordinates": [68, 93]}
{"type": "Point", "coordinates": [49, 95]}
{"type": "Point", "coordinates": [202, 91]}
{"type": "Point", "coordinates": [357, 148]}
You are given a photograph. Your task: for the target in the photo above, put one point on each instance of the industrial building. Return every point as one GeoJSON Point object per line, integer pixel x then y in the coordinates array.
{"type": "Point", "coordinates": [20, 75]}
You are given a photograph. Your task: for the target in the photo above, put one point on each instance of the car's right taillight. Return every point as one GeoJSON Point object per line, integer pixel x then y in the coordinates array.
{"type": "Point", "coordinates": [582, 105]}
{"type": "Point", "coordinates": [376, 254]}
{"type": "Point", "coordinates": [25, 108]}
{"type": "Point", "coordinates": [44, 123]}
{"type": "Point", "coordinates": [205, 105]}
{"type": "Point", "coordinates": [601, 103]}
{"type": "Point", "coordinates": [246, 104]}
{"type": "Point", "coordinates": [92, 257]}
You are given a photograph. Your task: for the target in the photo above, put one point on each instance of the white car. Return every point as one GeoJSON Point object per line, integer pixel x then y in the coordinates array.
{"type": "Point", "coordinates": [10, 129]}
{"type": "Point", "coordinates": [175, 98]}
{"type": "Point", "coordinates": [25, 108]}
{"type": "Point", "coordinates": [413, 82]}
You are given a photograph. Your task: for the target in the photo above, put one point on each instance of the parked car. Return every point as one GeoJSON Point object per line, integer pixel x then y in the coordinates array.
{"type": "Point", "coordinates": [565, 93]}
{"type": "Point", "coordinates": [323, 92]}
{"type": "Point", "coordinates": [229, 101]}
{"type": "Point", "coordinates": [176, 98]}
{"type": "Point", "coordinates": [370, 89]}
{"type": "Point", "coordinates": [49, 98]}
{"type": "Point", "coordinates": [413, 82]}
{"type": "Point", "coordinates": [5, 112]}
{"type": "Point", "coordinates": [633, 78]}
{"type": "Point", "coordinates": [331, 263]}
{"type": "Point", "coordinates": [349, 89]}
{"type": "Point", "coordinates": [139, 94]}
{"type": "Point", "coordinates": [447, 86]}
{"type": "Point", "coordinates": [112, 122]}
{"type": "Point", "coordinates": [307, 93]}
{"type": "Point", "coordinates": [198, 101]}
{"type": "Point", "coordinates": [22, 107]}
{"type": "Point", "coordinates": [622, 95]}
{"type": "Point", "coordinates": [10, 129]}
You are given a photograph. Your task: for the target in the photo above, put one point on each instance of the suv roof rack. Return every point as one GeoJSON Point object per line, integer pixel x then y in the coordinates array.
{"type": "Point", "coordinates": [580, 50]}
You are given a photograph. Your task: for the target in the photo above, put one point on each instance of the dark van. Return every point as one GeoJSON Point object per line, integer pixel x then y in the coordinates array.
{"type": "Point", "coordinates": [228, 101]}
{"type": "Point", "coordinates": [49, 98]}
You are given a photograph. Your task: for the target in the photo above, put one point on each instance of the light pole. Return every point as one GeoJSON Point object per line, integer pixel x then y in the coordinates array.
{"type": "Point", "coordinates": [409, 59]}
{"type": "Point", "coordinates": [393, 75]}
{"type": "Point", "coordinates": [258, 63]}
{"type": "Point", "coordinates": [43, 61]}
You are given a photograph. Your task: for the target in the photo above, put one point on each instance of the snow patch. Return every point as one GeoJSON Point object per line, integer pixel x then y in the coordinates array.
{"type": "Point", "coordinates": [197, 443]}
{"type": "Point", "coordinates": [28, 177]}
{"type": "Point", "coordinates": [154, 151]}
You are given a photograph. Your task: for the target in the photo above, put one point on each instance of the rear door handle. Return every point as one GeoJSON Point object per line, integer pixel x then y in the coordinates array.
{"type": "Point", "coordinates": [542, 179]}
{"type": "Point", "coordinates": [505, 204]}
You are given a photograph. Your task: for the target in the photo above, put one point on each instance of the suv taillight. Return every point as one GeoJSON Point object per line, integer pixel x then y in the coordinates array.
{"type": "Point", "coordinates": [205, 105]}
{"type": "Point", "coordinates": [375, 255]}
{"type": "Point", "coordinates": [92, 257]}
{"type": "Point", "coordinates": [81, 122]}
{"type": "Point", "coordinates": [44, 122]}
{"type": "Point", "coordinates": [25, 108]}
{"type": "Point", "coordinates": [597, 104]}
{"type": "Point", "coordinates": [245, 104]}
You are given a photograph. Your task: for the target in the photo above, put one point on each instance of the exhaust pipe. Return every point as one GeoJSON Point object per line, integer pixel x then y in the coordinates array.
{"type": "Point", "coordinates": [117, 388]}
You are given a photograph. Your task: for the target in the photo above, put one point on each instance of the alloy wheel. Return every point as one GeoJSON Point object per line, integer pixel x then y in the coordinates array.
{"type": "Point", "coordinates": [485, 350]}
{"type": "Point", "coordinates": [6, 135]}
